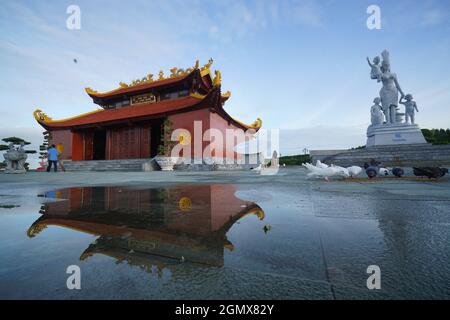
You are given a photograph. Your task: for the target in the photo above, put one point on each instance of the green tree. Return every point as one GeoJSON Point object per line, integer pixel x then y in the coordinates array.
{"type": "Point", "coordinates": [296, 160]}
{"type": "Point", "coordinates": [437, 136]}
{"type": "Point", "coordinates": [44, 146]}
{"type": "Point", "coordinates": [167, 144]}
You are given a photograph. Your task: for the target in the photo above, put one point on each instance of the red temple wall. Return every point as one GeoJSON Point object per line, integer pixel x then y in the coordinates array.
{"type": "Point", "coordinates": [209, 120]}
{"type": "Point", "coordinates": [186, 121]}
{"type": "Point", "coordinates": [222, 125]}
{"type": "Point", "coordinates": [65, 138]}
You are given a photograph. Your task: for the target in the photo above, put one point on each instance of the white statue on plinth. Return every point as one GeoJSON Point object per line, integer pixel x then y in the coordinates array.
{"type": "Point", "coordinates": [15, 159]}
{"type": "Point", "coordinates": [393, 131]}
{"type": "Point", "coordinates": [410, 108]}
{"type": "Point", "coordinates": [389, 91]}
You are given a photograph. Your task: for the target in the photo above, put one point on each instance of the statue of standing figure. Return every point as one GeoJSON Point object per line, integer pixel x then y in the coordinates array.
{"type": "Point", "coordinates": [376, 115]}
{"type": "Point", "coordinates": [410, 108]}
{"type": "Point", "coordinates": [390, 89]}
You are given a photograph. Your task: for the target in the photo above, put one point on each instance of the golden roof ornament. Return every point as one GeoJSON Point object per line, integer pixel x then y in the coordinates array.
{"type": "Point", "coordinates": [257, 123]}
{"type": "Point", "coordinates": [217, 79]}
{"type": "Point", "coordinates": [90, 91]}
{"type": "Point", "coordinates": [174, 73]}
{"type": "Point", "coordinates": [39, 115]}
{"type": "Point", "coordinates": [226, 94]}
{"type": "Point", "coordinates": [208, 65]}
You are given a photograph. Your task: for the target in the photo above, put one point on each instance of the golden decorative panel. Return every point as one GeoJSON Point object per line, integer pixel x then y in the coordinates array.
{"type": "Point", "coordinates": [143, 98]}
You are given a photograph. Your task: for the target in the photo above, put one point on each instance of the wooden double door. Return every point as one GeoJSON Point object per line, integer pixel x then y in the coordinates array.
{"type": "Point", "coordinates": [134, 142]}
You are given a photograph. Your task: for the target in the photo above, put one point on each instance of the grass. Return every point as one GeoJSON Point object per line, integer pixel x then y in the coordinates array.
{"type": "Point", "coordinates": [296, 160]}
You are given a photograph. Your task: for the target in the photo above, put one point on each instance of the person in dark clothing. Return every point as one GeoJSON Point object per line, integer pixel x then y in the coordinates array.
{"type": "Point", "coordinates": [52, 158]}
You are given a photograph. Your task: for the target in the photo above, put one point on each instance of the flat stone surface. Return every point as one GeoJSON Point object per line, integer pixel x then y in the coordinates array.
{"type": "Point", "coordinates": [322, 238]}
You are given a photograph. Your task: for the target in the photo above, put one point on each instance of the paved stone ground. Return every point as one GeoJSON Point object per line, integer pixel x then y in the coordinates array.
{"type": "Point", "coordinates": [324, 236]}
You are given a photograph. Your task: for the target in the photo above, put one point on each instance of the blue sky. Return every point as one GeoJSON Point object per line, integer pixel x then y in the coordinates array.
{"type": "Point", "coordinates": [299, 65]}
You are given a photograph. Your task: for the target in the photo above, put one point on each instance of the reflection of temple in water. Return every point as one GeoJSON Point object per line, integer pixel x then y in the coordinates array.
{"type": "Point", "coordinates": [148, 227]}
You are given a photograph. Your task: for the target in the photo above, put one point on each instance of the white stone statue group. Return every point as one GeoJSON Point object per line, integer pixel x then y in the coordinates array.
{"type": "Point", "coordinates": [385, 108]}
{"type": "Point", "coordinates": [15, 159]}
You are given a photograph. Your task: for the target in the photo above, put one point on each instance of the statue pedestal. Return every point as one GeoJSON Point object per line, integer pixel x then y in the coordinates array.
{"type": "Point", "coordinates": [394, 134]}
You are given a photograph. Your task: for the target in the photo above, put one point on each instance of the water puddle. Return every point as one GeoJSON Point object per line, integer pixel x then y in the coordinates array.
{"type": "Point", "coordinates": [139, 225]}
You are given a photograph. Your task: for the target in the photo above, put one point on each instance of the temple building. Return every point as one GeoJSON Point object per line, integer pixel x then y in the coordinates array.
{"type": "Point", "coordinates": [130, 123]}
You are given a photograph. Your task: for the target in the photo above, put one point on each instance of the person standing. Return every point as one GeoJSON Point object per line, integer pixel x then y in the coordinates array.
{"type": "Point", "coordinates": [52, 158]}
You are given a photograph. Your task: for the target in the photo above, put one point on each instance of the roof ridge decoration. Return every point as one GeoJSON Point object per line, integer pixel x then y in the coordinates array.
{"type": "Point", "coordinates": [41, 117]}
{"type": "Point", "coordinates": [226, 94]}
{"type": "Point", "coordinates": [256, 125]}
{"type": "Point", "coordinates": [174, 73]}
{"type": "Point", "coordinates": [217, 78]}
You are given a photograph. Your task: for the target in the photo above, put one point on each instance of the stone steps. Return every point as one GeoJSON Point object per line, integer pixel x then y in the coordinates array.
{"type": "Point", "coordinates": [405, 155]}
{"type": "Point", "coordinates": [110, 165]}
{"type": "Point", "coordinates": [145, 165]}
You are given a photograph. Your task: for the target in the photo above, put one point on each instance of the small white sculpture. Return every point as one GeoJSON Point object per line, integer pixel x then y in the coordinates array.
{"type": "Point", "coordinates": [375, 73]}
{"type": "Point", "coordinates": [410, 108]}
{"type": "Point", "coordinates": [15, 159]}
{"type": "Point", "coordinates": [376, 114]}
{"type": "Point", "coordinates": [274, 163]}
{"type": "Point", "coordinates": [269, 170]}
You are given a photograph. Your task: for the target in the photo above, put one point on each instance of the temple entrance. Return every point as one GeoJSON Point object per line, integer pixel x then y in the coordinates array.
{"type": "Point", "coordinates": [138, 141]}
{"type": "Point", "coordinates": [155, 139]}
{"type": "Point", "coordinates": [99, 145]}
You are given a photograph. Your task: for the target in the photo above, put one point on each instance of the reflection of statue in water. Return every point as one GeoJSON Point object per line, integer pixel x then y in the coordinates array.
{"type": "Point", "coordinates": [15, 159]}
{"type": "Point", "coordinates": [389, 91]}
{"type": "Point", "coordinates": [376, 115]}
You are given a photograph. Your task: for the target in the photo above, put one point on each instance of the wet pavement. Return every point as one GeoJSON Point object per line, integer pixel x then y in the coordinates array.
{"type": "Point", "coordinates": [222, 235]}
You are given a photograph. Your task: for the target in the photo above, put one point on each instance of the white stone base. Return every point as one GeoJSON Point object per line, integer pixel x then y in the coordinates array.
{"type": "Point", "coordinates": [394, 134]}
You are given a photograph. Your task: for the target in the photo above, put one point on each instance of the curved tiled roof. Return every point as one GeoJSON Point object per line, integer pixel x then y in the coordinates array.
{"type": "Point", "coordinates": [143, 111]}
{"type": "Point", "coordinates": [135, 88]}
{"type": "Point", "coordinates": [113, 115]}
